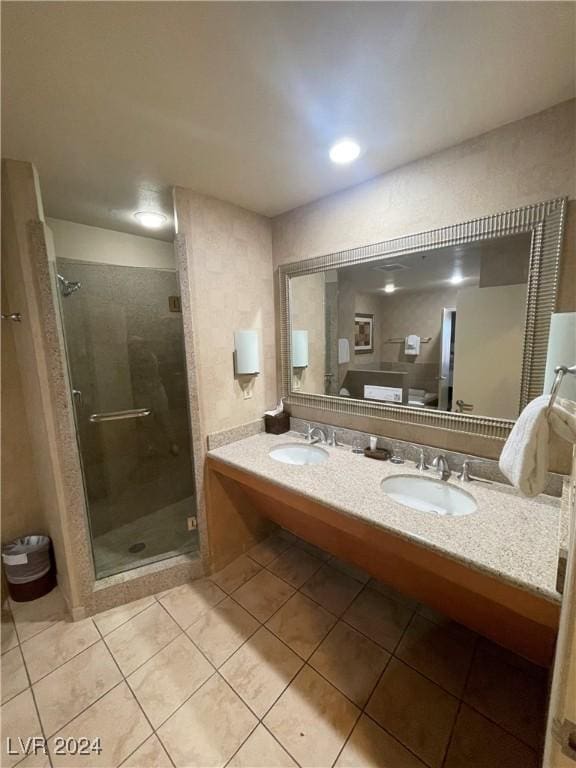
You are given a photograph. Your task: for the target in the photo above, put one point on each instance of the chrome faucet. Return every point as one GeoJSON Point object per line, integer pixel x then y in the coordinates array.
{"type": "Point", "coordinates": [440, 464]}
{"type": "Point", "coordinates": [315, 435]}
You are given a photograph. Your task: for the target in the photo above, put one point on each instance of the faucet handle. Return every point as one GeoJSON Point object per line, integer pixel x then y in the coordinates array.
{"type": "Point", "coordinates": [308, 428]}
{"type": "Point", "coordinates": [421, 465]}
{"type": "Point", "coordinates": [333, 440]}
{"type": "Point", "coordinates": [464, 474]}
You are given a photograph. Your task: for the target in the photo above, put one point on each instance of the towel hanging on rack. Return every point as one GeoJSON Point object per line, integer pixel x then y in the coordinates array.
{"type": "Point", "coordinates": [524, 458]}
{"type": "Point", "coordinates": [412, 344]}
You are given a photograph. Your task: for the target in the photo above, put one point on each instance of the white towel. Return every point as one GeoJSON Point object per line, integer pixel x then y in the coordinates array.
{"type": "Point", "coordinates": [524, 458]}
{"type": "Point", "coordinates": [412, 344]}
{"type": "Point", "coordinates": [343, 351]}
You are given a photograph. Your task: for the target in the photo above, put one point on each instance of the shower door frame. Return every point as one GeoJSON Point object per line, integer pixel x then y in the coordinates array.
{"type": "Point", "coordinates": [89, 595]}
{"type": "Point", "coordinates": [77, 397]}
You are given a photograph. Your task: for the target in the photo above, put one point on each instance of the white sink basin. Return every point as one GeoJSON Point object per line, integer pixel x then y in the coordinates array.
{"type": "Point", "coordinates": [429, 495]}
{"type": "Point", "coordinates": [297, 453]}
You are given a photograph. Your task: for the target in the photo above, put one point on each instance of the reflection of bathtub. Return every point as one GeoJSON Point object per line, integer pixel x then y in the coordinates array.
{"type": "Point", "coordinates": [420, 398]}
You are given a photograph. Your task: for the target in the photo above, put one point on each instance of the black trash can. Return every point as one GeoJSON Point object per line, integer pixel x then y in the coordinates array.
{"type": "Point", "coordinates": [29, 567]}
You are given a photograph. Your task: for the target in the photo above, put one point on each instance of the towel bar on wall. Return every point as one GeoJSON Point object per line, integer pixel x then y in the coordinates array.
{"type": "Point", "coordinates": [560, 372]}
{"type": "Point", "coordinates": [423, 340]}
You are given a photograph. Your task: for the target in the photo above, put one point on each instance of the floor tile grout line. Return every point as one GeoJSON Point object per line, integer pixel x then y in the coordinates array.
{"type": "Point", "coordinates": [233, 755]}
{"type": "Point", "coordinates": [126, 676]}
{"type": "Point", "coordinates": [425, 674]}
{"type": "Point", "coordinates": [219, 666]}
{"type": "Point", "coordinates": [187, 699]}
{"type": "Point", "coordinates": [364, 709]}
{"type": "Point", "coordinates": [11, 698]}
{"type": "Point", "coordinates": [460, 703]}
{"type": "Point", "coordinates": [127, 620]}
{"type": "Point", "coordinates": [41, 631]}
{"type": "Point", "coordinates": [59, 666]}
{"type": "Point", "coordinates": [347, 739]}
{"type": "Point", "coordinates": [125, 681]}
{"type": "Point", "coordinates": [180, 631]}
{"type": "Point", "coordinates": [396, 739]}
{"type": "Point", "coordinates": [483, 714]}
{"type": "Point", "coordinates": [31, 688]}
{"type": "Point", "coordinates": [85, 709]}
{"type": "Point", "coordinates": [263, 724]}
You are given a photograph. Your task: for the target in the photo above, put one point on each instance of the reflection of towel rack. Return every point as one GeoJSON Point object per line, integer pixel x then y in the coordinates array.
{"type": "Point", "coordinates": [423, 340]}
{"type": "Point", "coordinates": [560, 372]}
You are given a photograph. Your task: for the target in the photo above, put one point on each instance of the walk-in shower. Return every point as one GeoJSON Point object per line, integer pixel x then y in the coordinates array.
{"type": "Point", "coordinates": [124, 343]}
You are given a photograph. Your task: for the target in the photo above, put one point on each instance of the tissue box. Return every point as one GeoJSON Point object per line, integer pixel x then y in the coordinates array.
{"type": "Point", "coordinates": [277, 425]}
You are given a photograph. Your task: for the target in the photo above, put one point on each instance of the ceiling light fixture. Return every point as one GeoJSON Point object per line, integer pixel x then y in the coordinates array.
{"type": "Point", "coordinates": [456, 279]}
{"type": "Point", "coordinates": [390, 288]}
{"type": "Point", "coordinates": [344, 151]}
{"type": "Point", "coordinates": [150, 219]}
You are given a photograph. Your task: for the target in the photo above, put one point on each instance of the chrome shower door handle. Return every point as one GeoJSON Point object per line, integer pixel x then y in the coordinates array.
{"type": "Point", "coordinates": [134, 413]}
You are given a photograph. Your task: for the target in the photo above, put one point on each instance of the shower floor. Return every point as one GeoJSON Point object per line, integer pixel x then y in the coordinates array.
{"type": "Point", "coordinates": [163, 534]}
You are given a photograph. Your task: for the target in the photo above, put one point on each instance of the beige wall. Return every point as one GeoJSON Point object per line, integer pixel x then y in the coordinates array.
{"type": "Point", "coordinates": [230, 264]}
{"type": "Point", "coordinates": [38, 352]}
{"type": "Point", "coordinates": [22, 511]}
{"type": "Point", "coordinates": [307, 307]}
{"type": "Point", "coordinates": [518, 164]}
{"type": "Point", "coordinates": [418, 312]}
{"type": "Point", "coordinates": [521, 163]}
{"type": "Point", "coordinates": [83, 243]}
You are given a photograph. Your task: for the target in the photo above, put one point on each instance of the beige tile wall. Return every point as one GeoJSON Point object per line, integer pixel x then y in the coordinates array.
{"type": "Point", "coordinates": [230, 261]}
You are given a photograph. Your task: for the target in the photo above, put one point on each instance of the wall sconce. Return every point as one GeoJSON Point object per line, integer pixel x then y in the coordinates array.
{"type": "Point", "coordinates": [246, 360]}
{"type": "Point", "coordinates": [299, 356]}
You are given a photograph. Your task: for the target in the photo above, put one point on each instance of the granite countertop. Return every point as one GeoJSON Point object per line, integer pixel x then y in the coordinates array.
{"type": "Point", "coordinates": [509, 536]}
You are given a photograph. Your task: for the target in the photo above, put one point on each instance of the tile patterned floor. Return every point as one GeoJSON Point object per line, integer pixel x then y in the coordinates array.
{"type": "Point", "coordinates": [287, 657]}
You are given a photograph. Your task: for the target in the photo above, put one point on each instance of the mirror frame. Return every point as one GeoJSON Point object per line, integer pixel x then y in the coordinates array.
{"type": "Point", "coordinates": [545, 221]}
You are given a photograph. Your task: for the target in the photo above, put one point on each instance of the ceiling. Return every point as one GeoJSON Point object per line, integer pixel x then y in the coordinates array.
{"type": "Point", "coordinates": [116, 102]}
{"type": "Point", "coordinates": [432, 270]}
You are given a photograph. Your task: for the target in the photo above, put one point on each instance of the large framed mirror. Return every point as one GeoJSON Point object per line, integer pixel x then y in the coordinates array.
{"type": "Point", "coordinates": [447, 328]}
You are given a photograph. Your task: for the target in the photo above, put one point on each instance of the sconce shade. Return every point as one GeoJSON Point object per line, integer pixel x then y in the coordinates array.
{"type": "Point", "coordinates": [299, 349]}
{"type": "Point", "coordinates": [246, 353]}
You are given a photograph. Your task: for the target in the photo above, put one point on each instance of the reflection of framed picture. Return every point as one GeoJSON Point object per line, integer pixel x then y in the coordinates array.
{"type": "Point", "coordinates": [363, 333]}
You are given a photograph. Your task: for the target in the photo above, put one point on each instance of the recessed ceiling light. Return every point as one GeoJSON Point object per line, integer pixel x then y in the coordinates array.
{"type": "Point", "coordinates": [344, 151]}
{"type": "Point", "coordinates": [456, 279]}
{"type": "Point", "coordinates": [390, 288]}
{"type": "Point", "coordinates": [151, 219]}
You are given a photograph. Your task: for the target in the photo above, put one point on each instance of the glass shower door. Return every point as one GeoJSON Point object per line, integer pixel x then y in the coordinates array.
{"type": "Point", "coordinates": [124, 340]}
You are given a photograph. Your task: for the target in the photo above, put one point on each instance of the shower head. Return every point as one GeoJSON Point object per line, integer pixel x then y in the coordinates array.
{"type": "Point", "coordinates": [68, 287]}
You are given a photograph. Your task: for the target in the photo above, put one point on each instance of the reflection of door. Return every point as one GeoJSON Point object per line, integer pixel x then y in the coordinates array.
{"type": "Point", "coordinates": [488, 349]}
{"type": "Point", "coordinates": [446, 359]}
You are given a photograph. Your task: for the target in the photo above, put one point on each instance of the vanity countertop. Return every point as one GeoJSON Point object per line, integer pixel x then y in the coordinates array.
{"type": "Point", "coordinates": [509, 536]}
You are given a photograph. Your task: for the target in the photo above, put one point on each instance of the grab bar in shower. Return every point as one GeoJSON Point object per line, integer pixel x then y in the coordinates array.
{"type": "Point", "coordinates": [135, 413]}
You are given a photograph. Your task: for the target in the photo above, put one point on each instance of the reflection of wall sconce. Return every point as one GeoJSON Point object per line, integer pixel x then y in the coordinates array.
{"type": "Point", "coordinates": [299, 356]}
{"type": "Point", "coordinates": [300, 349]}
{"type": "Point", "coordinates": [246, 359]}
